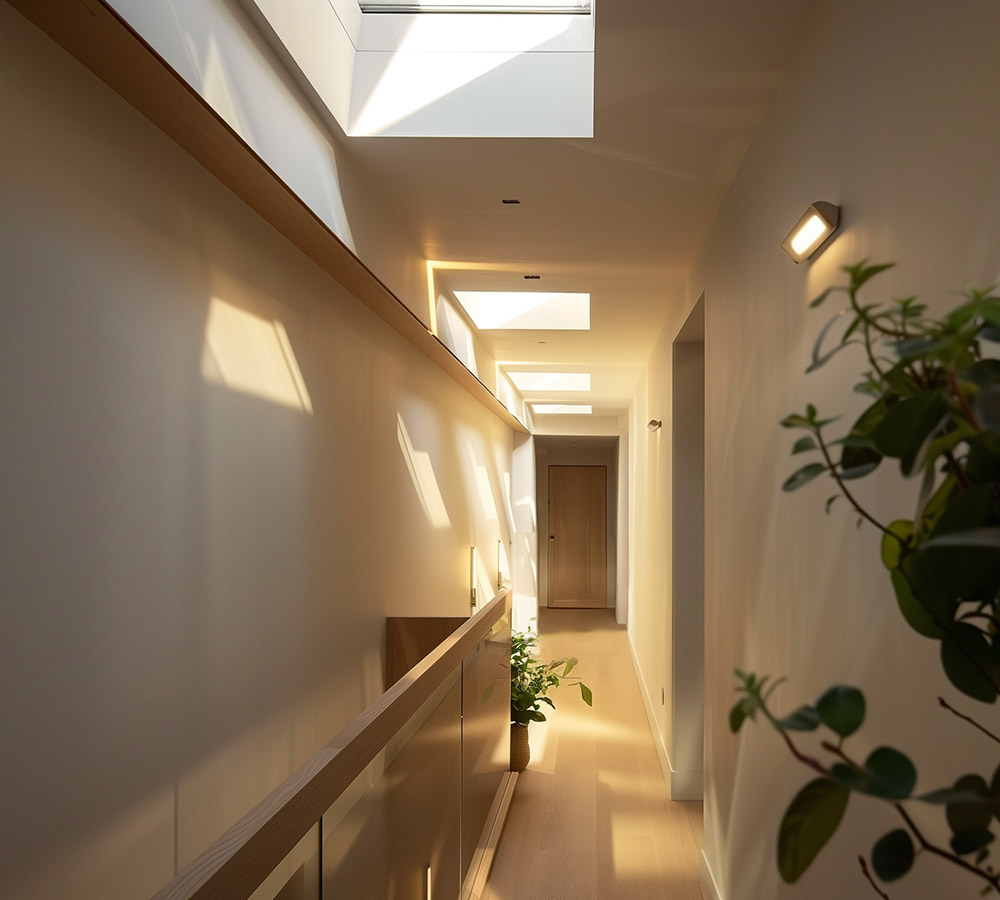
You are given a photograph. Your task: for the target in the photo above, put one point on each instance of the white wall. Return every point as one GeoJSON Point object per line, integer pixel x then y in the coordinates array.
{"type": "Point", "coordinates": [194, 579]}
{"type": "Point", "coordinates": [890, 110]}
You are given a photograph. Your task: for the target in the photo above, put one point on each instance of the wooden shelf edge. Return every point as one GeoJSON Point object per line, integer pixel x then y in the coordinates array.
{"type": "Point", "coordinates": [98, 37]}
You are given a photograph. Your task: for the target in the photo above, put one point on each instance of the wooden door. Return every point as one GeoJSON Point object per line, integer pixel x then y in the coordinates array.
{"type": "Point", "coordinates": [578, 536]}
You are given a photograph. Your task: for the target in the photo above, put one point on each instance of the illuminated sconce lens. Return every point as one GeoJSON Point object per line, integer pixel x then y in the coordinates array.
{"type": "Point", "coordinates": [811, 231]}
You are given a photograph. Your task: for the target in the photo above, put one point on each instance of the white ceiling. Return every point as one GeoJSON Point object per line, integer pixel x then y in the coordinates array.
{"type": "Point", "coordinates": [680, 87]}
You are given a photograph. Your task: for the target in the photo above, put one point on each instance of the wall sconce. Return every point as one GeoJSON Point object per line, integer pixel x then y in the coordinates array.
{"type": "Point", "coordinates": [811, 231]}
{"type": "Point", "coordinates": [654, 425]}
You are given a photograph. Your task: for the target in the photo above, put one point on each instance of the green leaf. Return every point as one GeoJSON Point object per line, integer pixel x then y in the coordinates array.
{"type": "Point", "coordinates": [809, 822]}
{"type": "Point", "coordinates": [886, 773]}
{"type": "Point", "coordinates": [842, 709]}
{"type": "Point", "coordinates": [921, 348]}
{"type": "Point", "coordinates": [892, 855]}
{"type": "Point", "coordinates": [968, 662]}
{"type": "Point", "coordinates": [979, 537]}
{"type": "Point", "coordinates": [796, 421]}
{"type": "Point", "coordinates": [963, 815]}
{"type": "Point", "coordinates": [895, 775]}
{"type": "Point", "coordinates": [830, 501]}
{"type": "Point", "coordinates": [818, 360]}
{"type": "Point", "coordinates": [916, 615]}
{"type": "Point", "coordinates": [819, 300]}
{"type": "Point", "coordinates": [805, 718]}
{"type": "Point", "coordinates": [570, 665]}
{"type": "Point", "coordinates": [951, 795]}
{"type": "Point", "coordinates": [587, 694]}
{"type": "Point", "coordinates": [803, 444]}
{"type": "Point", "coordinates": [737, 716]}
{"type": "Point", "coordinates": [907, 425]}
{"type": "Point", "coordinates": [892, 549]}
{"type": "Point", "coordinates": [861, 273]}
{"type": "Point", "coordinates": [970, 841]}
{"type": "Point", "coordinates": [803, 476]}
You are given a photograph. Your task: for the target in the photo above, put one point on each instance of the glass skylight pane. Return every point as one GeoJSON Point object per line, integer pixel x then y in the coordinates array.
{"type": "Point", "coordinates": [562, 409]}
{"type": "Point", "coordinates": [531, 310]}
{"type": "Point", "coordinates": [560, 7]}
{"type": "Point", "coordinates": [551, 381]}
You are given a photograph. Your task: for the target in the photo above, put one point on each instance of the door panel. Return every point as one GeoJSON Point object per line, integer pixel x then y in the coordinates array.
{"type": "Point", "coordinates": [578, 547]}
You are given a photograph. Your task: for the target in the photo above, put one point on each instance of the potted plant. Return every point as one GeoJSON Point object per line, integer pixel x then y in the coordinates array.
{"type": "Point", "coordinates": [530, 682]}
{"type": "Point", "coordinates": [935, 407]}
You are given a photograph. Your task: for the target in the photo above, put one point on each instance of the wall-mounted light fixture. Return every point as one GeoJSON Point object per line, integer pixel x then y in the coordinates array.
{"type": "Point", "coordinates": [654, 425]}
{"type": "Point", "coordinates": [811, 231]}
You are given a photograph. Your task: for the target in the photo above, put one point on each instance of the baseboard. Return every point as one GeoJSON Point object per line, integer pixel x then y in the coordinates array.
{"type": "Point", "coordinates": [709, 886]}
{"type": "Point", "coordinates": [682, 785]}
{"type": "Point", "coordinates": [661, 751]}
{"type": "Point", "coordinates": [482, 860]}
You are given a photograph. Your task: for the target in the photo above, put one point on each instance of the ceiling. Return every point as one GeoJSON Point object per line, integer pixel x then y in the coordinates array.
{"type": "Point", "coordinates": [680, 87]}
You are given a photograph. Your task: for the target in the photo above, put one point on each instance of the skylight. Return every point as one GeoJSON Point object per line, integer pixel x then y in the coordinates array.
{"type": "Point", "coordinates": [552, 7]}
{"type": "Point", "coordinates": [533, 310]}
{"type": "Point", "coordinates": [483, 68]}
{"type": "Point", "coordinates": [551, 381]}
{"type": "Point", "coordinates": [562, 409]}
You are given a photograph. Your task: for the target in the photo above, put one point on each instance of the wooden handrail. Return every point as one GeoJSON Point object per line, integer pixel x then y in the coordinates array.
{"type": "Point", "coordinates": [239, 861]}
{"type": "Point", "coordinates": [93, 32]}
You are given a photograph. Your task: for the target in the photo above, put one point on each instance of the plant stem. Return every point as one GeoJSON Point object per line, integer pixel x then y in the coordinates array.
{"type": "Point", "coordinates": [871, 881]}
{"type": "Point", "coordinates": [944, 854]}
{"type": "Point", "coordinates": [962, 401]}
{"type": "Point", "coordinates": [968, 719]}
{"type": "Point", "coordinates": [810, 761]}
{"type": "Point", "coordinates": [850, 497]}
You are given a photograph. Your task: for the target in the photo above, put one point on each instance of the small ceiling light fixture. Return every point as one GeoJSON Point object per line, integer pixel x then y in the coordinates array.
{"type": "Point", "coordinates": [654, 425]}
{"type": "Point", "coordinates": [532, 277]}
{"type": "Point", "coordinates": [811, 231]}
{"type": "Point", "coordinates": [511, 201]}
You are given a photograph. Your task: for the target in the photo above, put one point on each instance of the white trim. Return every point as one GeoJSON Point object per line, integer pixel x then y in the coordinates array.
{"type": "Point", "coordinates": [709, 886]}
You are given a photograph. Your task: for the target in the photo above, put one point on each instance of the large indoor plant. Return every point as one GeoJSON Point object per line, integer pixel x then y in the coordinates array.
{"type": "Point", "coordinates": [530, 682]}
{"type": "Point", "coordinates": [935, 407]}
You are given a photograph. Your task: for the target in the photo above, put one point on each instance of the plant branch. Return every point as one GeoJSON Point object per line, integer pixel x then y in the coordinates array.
{"type": "Point", "coordinates": [993, 880]}
{"type": "Point", "coordinates": [847, 494]}
{"type": "Point", "coordinates": [968, 719]}
{"type": "Point", "coordinates": [871, 881]}
{"type": "Point", "coordinates": [810, 761]}
{"type": "Point", "coordinates": [963, 401]}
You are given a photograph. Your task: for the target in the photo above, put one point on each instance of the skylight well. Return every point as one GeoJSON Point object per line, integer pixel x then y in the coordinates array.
{"type": "Point", "coordinates": [532, 310]}
{"type": "Point", "coordinates": [502, 68]}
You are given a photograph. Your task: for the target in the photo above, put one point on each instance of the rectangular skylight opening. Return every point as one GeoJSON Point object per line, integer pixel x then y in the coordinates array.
{"type": "Point", "coordinates": [527, 310]}
{"type": "Point", "coordinates": [562, 409]}
{"type": "Point", "coordinates": [551, 381]}
{"type": "Point", "coordinates": [544, 7]}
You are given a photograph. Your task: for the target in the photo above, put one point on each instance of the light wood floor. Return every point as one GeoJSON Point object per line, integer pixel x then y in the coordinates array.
{"type": "Point", "coordinates": [591, 818]}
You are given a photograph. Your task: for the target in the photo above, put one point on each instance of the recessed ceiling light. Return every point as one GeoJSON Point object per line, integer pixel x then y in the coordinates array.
{"type": "Point", "coordinates": [551, 381]}
{"type": "Point", "coordinates": [532, 277]}
{"type": "Point", "coordinates": [510, 201]}
{"type": "Point", "coordinates": [534, 310]}
{"type": "Point", "coordinates": [562, 409]}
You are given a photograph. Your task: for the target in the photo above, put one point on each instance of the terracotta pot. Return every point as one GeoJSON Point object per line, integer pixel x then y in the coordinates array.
{"type": "Point", "coordinates": [520, 752]}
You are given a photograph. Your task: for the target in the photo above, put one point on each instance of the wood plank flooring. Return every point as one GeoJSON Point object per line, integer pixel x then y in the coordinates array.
{"type": "Point", "coordinates": [591, 818]}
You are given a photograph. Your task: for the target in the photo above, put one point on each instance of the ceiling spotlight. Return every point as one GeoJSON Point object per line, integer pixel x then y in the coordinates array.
{"type": "Point", "coordinates": [532, 277]}
{"type": "Point", "coordinates": [811, 231]}
{"type": "Point", "coordinates": [654, 425]}
{"type": "Point", "coordinates": [510, 201]}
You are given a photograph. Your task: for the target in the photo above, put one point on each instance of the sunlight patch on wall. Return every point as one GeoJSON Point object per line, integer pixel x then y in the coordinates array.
{"type": "Point", "coordinates": [252, 355]}
{"type": "Point", "coordinates": [534, 310]}
{"type": "Point", "coordinates": [424, 481]}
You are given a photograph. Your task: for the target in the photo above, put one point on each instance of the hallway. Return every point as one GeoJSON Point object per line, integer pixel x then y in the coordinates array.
{"type": "Point", "coordinates": [591, 818]}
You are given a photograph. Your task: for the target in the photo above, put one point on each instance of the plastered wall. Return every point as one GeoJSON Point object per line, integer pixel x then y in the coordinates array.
{"type": "Point", "coordinates": [195, 562]}
{"type": "Point", "coordinates": [889, 110]}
